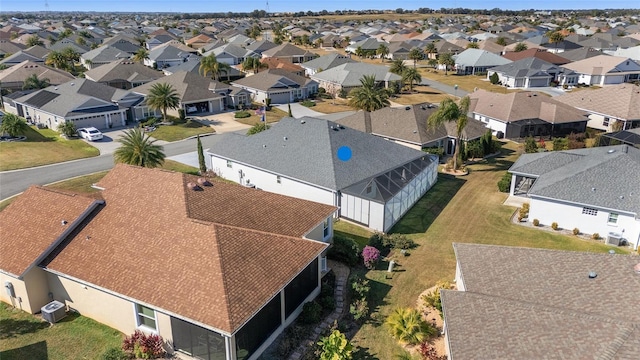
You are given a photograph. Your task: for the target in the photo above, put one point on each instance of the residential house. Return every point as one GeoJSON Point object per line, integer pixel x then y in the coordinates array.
{"type": "Point", "coordinates": [347, 76]}
{"type": "Point", "coordinates": [367, 45]}
{"type": "Point", "coordinates": [199, 41]}
{"type": "Point", "coordinates": [35, 53]}
{"type": "Point", "coordinates": [276, 63]}
{"type": "Point", "coordinates": [159, 40]}
{"type": "Point", "coordinates": [81, 101]}
{"type": "Point", "coordinates": [13, 78]}
{"type": "Point", "coordinates": [611, 108]}
{"type": "Point", "coordinates": [407, 125]}
{"type": "Point", "coordinates": [325, 62]}
{"type": "Point", "coordinates": [261, 46]}
{"type": "Point", "coordinates": [194, 91]}
{"type": "Point", "coordinates": [102, 55]}
{"type": "Point", "coordinates": [123, 43]}
{"type": "Point", "coordinates": [166, 56]}
{"type": "Point", "coordinates": [523, 114]}
{"type": "Point", "coordinates": [536, 53]}
{"type": "Point", "coordinates": [526, 73]}
{"type": "Point", "coordinates": [123, 74]}
{"type": "Point", "coordinates": [594, 190]}
{"type": "Point", "coordinates": [630, 137]}
{"type": "Point", "coordinates": [65, 43]}
{"type": "Point", "coordinates": [231, 54]}
{"type": "Point", "coordinates": [509, 295]}
{"type": "Point", "coordinates": [581, 54]}
{"type": "Point", "coordinates": [604, 70]}
{"type": "Point", "coordinates": [374, 186]}
{"type": "Point", "coordinates": [290, 53]}
{"type": "Point", "coordinates": [260, 257]}
{"type": "Point", "coordinates": [399, 50]}
{"type": "Point", "coordinates": [280, 86]}
{"type": "Point", "coordinates": [476, 61]}
{"type": "Point", "coordinates": [8, 48]}
{"type": "Point", "coordinates": [631, 53]}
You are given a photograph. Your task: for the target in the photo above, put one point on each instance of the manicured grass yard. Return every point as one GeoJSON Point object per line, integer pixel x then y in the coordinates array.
{"type": "Point", "coordinates": [465, 82]}
{"type": "Point", "coordinates": [42, 147]}
{"type": "Point", "coordinates": [466, 209]}
{"type": "Point", "coordinates": [24, 336]}
{"type": "Point", "coordinates": [180, 130]}
{"type": "Point", "coordinates": [273, 115]}
{"type": "Point", "coordinates": [329, 106]}
{"type": "Point", "coordinates": [421, 94]}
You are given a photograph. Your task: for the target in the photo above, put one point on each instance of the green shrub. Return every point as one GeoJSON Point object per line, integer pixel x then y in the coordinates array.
{"type": "Point", "coordinates": [398, 241]}
{"type": "Point", "coordinates": [181, 114]}
{"type": "Point", "coordinates": [360, 287]}
{"type": "Point", "coordinates": [68, 129]}
{"type": "Point", "coordinates": [530, 145]}
{"type": "Point", "coordinates": [335, 346]}
{"type": "Point", "coordinates": [311, 313]}
{"type": "Point", "coordinates": [376, 240]}
{"type": "Point", "coordinates": [536, 222]}
{"type": "Point", "coordinates": [359, 309]}
{"type": "Point", "coordinates": [257, 128]}
{"type": "Point", "coordinates": [327, 302]}
{"type": "Point", "coordinates": [308, 103]}
{"type": "Point", "coordinates": [434, 150]}
{"type": "Point", "coordinates": [114, 353]}
{"type": "Point", "coordinates": [242, 114]}
{"type": "Point", "coordinates": [504, 185]}
{"type": "Point", "coordinates": [576, 231]}
{"type": "Point", "coordinates": [560, 144]}
{"type": "Point", "coordinates": [595, 236]}
{"type": "Point", "coordinates": [345, 250]}
{"type": "Point", "coordinates": [494, 78]}
{"type": "Point", "coordinates": [406, 325]}
{"type": "Point", "coordinates": [554, 225]}
{"type": "Point", "coordinates": [433, 298]}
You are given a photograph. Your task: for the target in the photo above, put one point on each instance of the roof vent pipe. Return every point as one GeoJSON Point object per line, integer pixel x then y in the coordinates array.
{"type": "Point", "coordinates": [204, 182]}
{"type": "Point", "coordinates": [592, 275]}
{"type": "Point", "coordinates": [193, 186]}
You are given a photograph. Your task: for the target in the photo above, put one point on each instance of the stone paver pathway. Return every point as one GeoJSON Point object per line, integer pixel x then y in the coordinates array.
{"type": "Point", "coordinates": [342, 274]}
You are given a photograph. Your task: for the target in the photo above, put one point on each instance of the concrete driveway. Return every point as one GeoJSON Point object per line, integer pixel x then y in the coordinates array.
{"type": "Point", "coordinates": [223, 122]}
{"type": "Point", "coordinates": [109, 142]}
{"type": "Point", "coordinates": [299, 111]}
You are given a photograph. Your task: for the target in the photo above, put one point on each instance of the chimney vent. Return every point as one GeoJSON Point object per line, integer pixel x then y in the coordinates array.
{"type": "Point", "coordinates": [204, 182]}
{"type": "Point", "coordinates": [592, 275]}
{"type": "Point", "coordinates": [193, 186]}
{"type": "Point", "coordinates": [63, 222]}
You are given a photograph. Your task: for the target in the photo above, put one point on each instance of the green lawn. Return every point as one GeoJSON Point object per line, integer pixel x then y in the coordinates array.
{"type": "Point", "coordinates": [273, 115]}
{"type": "Point", "coordinates": [42, 147]}
{"type": "Point", "coordinates": [180, 130]}
{"type": "Point", "coordinates": [24, 336]}
{"type": "Point", "coordinates": [466, 209]}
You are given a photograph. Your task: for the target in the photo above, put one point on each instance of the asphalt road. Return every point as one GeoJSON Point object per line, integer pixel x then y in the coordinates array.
{"type": "Point", "coordinates": [16, 181]}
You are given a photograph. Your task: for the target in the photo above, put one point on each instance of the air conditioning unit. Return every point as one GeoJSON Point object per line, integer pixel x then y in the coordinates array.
{"type": "Point", "coordinates": [54, 312]}
{"type": "Point", "coordinates": [614, 239]}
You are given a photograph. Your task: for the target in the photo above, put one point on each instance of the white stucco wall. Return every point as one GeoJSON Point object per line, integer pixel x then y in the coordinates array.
{"type": "Point", "coordinates": [570, 216]}
{"type": "Point", "coordinates": [268, 182]}
{"type": "Point", "coordinates": [491, 123]}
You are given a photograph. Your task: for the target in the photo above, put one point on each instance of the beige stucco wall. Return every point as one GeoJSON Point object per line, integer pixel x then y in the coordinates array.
{"type": "Point", "coordinates": [108, 309]}
{"type": "Point", "coordinates": [20, 291]}
{"type": "Point", "coordinates": [37, 289]}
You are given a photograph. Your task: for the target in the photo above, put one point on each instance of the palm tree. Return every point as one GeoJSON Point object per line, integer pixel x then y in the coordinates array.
{"type": "Point", "coordinates": [450, 111]}
{"type": "Point", "coordinates": [383, 51]}
{"type": "Point", "coordinates": [369, 97]}
{"type": "Point", "coordinates": [502, 41]}
{"type": "Point", "coordinates": [32, 82]}
{"type": "Point", "coordinates": [56, 59]}
{"type": "Point", "coordinates": [447, 60]}
{"type": "Point", "coordinates": [252, 63]}
{"type": "Point", "coordinates": [398, 67]}
{"type": "Point", "coordinates": [473, 45]}
{"type": "Point", "coordinates": [12, 125]}
{"type": "Point", "coordinates": [70, 56]}
{"type": "Point", "coordinates": [34, 40]}
{"type": "Point", "coordinates": [555, 38]}
{"type": "Point", "coordinates": [141, 55]}
{"type": "Point", "coordinates": [430, 48]}
{"type": "Point", "coordinates": [415, 54]}
{"type": "Point", "coordinates": [318, 42]}
{"type": "Point", "coordinates": [411, 75]}
{"type": "Point", "coordinates": [138, 149]}
{"type": "Point", "coordinates": [359, 52]}
{"type": "Point", "coordinates": [406, 325]}
{"type": "Point", "coordinates": [163, 96]}
{"type": "Point", "coordinates": [209, 64]}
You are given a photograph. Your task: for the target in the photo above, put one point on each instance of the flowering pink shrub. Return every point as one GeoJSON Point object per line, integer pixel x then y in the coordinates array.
{"type": "Point", "coordinates": [371, 256]}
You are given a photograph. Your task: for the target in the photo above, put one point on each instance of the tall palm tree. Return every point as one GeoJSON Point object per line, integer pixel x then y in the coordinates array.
{"type": "Point", "coordinates": [447, 60]}
{"type": "Point", "coordinates": [70, 56]}
{"type": "Point", "coordinates": [359, 52]}
{"type": "Point", "coordinates": [415, 54]}
{"type": "Point", "coordinates": [163, 96]}
{"type": "Point", "coordinates": [56, 59]}
{"type": "Point", "coordinates": [254, 64]}
{"type": "Point", "coordinates": [141, 55]}
{"type": "Point", "coordinates": [555, 38]}
{"type": "Point", "coordinates": [430, 48]}
{"type": "Point", "coordinates": [12, 125]}
{"type": "Point", "coordinates": [369, 97]}
{"type": "Point", "coordinates": [32, 82]}
{"type": "Point", "coordinates": [450, 111]}
{"type": "Point", "coordinates": [411, 75]}
{"type": "Point", "coordinates": [209, 64]}
{"type": "Point", "coordinates": [138, 149]}
{"type": "Point", "coordinates": [398, 67]}
{"type": "Point", "coordinates": [383, 50]}
{"type": "Point", "coordinates": [34, 40]}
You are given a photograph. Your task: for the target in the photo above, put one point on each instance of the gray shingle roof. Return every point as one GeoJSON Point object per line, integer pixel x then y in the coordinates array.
{"type": "Point", "coordinates": [525, 303]}
{"type": "Point", "coordinates": [327, 61]}
{"type": "Point", "coordinates": [479, 58]}
{"type": "Point", "coordinates": [527, 67]}
{"type": "Point", "coordinates": [167, 53]}
{"type": "Point", "coordinates": [272, 79]}
{"type": "Point", "coordinates": [123, 70]}
{"type": "Point", "coordinates": [309, 152]}
{"type": "Point", "coordinates": [349, 74]}
{"type": "Point", "coordinates": [189, 86]}
{"type": "Point", "coordinates": [105, 54]}
{"type": "Point", "coordinates": [572, 175]}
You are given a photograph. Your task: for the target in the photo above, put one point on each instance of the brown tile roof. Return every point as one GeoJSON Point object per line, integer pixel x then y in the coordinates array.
{"type": "Point", "coordinates": [620, 101]}
{"type": "Point", "coordinates": [409, 125]}
{"type": "Point", "coordinates": [522, 303]}
{"type": "Point", "coordinates": [275, 63]}
{"type": "Point", "coordinates": [38, 213]}
{"type": "Point", "coordinates": [146, 244]}
{"type": "Point", "coordinates": [523, 105]}
{"type": "Point", "coordinates": [537, 53]}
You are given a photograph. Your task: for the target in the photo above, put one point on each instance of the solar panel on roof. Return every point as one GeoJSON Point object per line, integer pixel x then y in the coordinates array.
{"type": "Point", "coordinates": [41, 98]}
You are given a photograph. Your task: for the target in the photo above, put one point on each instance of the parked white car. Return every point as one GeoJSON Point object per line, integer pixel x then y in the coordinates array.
{"type": "Point", "coordinates": [90, 133]}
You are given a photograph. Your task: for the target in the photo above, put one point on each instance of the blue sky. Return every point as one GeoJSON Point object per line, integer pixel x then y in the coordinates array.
{"type": "Point", "coordinates": [288, 5]}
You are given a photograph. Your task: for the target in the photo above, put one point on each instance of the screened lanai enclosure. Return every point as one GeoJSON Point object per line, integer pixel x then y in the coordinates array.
{"type": "Point", "coordinates": [381, 201]}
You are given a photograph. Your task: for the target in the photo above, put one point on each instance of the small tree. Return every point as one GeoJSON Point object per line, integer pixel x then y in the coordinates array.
{"type": "Point", "coordinates": [530, 145]}
{"type": "Point", "coordinates": [67, 128]}
{"type": "Point", "coordinates": [494, 78]}
{"type": "Point", "coordinates": [433, 297]}
{"type": "Point", "coordinates": [335, 347]}
{"type": "Point", "coordinates": [13, 125]}
{"type": "Point", "coordinates": [201, 163]}
{"type": "Point", "coordinates": [504, 185]}
{"type": "Point", "coordinates": [520, 47]}
{"type": "Point", "coordinates": [407, 326]}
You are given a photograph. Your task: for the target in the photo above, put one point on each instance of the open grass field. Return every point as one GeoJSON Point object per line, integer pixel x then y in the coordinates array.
{"type": "Point", "coordinates": [42, 147]}
{"type": "Point", "coordinates": [465, 209]}
{"type": "Point", "coordinates": [464, 82]}
{"type": "Point", "coordinates": [25, 336]}
{"type": "Point", "coordinates": [273, 115]}
{"type": "Point", "coordinates": [180, 130]}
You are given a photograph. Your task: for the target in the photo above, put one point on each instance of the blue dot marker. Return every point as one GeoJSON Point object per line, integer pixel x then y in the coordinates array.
{"type": "Point", "coordinates": [344, 153]}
